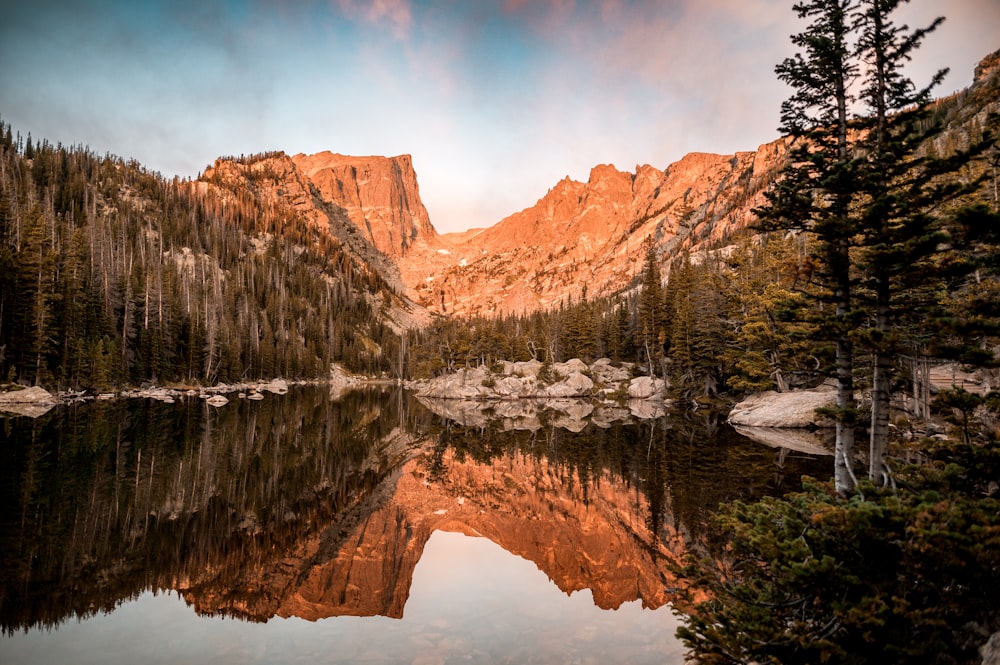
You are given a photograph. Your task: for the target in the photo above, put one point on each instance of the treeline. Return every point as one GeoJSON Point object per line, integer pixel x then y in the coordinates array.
{"type": "Point", "coordinates": [113, 276]}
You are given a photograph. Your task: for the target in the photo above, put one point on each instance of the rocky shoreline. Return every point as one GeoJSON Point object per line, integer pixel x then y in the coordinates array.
{"type": "Point", "coordinates": [35, 401]}
{"type": "Point", "coordinates": [603, 380]}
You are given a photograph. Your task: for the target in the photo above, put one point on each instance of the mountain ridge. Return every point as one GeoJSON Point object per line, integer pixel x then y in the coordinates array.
{"type": "Point", "coordinates": [580, 239]}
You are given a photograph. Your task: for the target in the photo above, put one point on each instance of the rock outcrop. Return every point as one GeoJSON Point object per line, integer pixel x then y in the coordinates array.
{"type": "Point", "coordinates": [31, 402]}
{"type": "Point", "coordinates": [524, 395]}
{"type": "Point", "coordinates": [529, 380]}
{"type": "Point", "coordinates": [378, 194]}
{"type": "Point", "coordinates": [370, 206]}
{"type": "Point", "coordinates": [795, 409]}
{"type": "Point", "coordinates": [591, 234]}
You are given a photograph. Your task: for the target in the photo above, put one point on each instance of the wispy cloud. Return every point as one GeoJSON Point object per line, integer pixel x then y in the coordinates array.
{"type": "Point", "coordinates": [495, 99]}
{"type": "Point", "coordinates": [395, 15]}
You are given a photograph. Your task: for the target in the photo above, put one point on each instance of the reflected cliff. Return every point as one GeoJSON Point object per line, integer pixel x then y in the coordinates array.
{"type": "Point", "coordinates": [309, 506]}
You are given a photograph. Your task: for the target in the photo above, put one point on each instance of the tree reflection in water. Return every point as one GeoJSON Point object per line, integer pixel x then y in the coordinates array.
{"type": "Point", "coordinates": [303, 505]}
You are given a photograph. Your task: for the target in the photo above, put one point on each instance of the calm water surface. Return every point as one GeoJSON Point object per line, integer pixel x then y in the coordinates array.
{"type": "Point", "coordinates": [360, 529]}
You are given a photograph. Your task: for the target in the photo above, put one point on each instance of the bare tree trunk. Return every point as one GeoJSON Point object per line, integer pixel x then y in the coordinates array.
{"type": "Point", "coordinates": [844, 448]}
{"type": "Point", "coordinates": [879, 439]}
{"type": "Point", "coordinates": [844, 478]}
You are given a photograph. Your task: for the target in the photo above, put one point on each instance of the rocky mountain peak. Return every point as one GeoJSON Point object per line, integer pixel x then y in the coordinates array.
{"type": "Point", "coordinates": [987, 67]}
{"type": "Point", "coordinates": [378, 194]}
{"type": "Point", "coordinates": [593, 233]}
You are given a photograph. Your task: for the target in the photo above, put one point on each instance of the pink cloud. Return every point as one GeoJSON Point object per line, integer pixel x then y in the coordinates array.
{"type": "Point", "coordinates": [397, 15]}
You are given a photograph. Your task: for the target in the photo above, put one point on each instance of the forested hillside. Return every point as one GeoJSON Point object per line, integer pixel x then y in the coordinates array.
{"type": "Point", "coordinates": [111, 275]}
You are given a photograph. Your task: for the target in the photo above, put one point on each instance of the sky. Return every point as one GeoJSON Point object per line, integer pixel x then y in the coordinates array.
{"type": "Point", "coordinates": [496, 101]}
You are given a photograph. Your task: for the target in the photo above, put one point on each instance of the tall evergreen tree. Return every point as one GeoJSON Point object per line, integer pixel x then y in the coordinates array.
{"type": "Point", "coordinates": [897, 185]}
{"type": "Point", "coordinates": [652, 317]}
{"type": "Point", "coordinates": [815, 190]}
{"type": "Point", "coordinates": [36, 268]}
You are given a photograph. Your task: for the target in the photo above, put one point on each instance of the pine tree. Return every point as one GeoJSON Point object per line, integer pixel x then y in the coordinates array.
{"type": "Point", "coordinates": [652, 318]}
{"type": "Point", "coordinates": [36, 269]}
{"type": "Point", "coordinates": [766, 347]}
{"type": "Point", "coordinates": [815, 189]}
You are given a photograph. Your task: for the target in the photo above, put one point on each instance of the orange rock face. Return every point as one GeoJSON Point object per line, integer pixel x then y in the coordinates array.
{"type": "Point", "coordinates": [579, 234]}
{"type": "Point", "coordinates": [592, 235]}
{"type": "Point", "coordinates": [371, 205]}
{"type": "Point", "coordinates": [378, 194]}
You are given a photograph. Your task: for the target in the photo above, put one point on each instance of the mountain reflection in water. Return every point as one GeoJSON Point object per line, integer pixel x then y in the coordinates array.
{"type": "Point", "coordinates": [312, 507]}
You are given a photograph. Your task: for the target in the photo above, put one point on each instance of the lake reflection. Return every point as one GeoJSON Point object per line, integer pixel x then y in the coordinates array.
{"type": "Point", "coordinates": [365, 529]}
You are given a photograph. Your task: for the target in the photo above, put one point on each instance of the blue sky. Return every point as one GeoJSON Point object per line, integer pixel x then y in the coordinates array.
{"type": "Point", "coordinates": [495, 101]}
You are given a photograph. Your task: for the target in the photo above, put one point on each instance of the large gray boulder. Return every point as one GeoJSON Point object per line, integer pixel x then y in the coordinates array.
{"type": "Point", "coordinates": [646, 387]}
{"type": "Point", "coordinates": [574, 385]}
{"type": "Point", "coordinates": [31, 402]}
{"type": "Point", "coordinates": [605, 373]}
{"type": "Point", "coordinates": [463, 384]}
{"type": "Point", "coordinates": [990, 651]}
{"type": "Point", "coordinates": [528, 368]}
{"type": "Point", "coordinates": [32, 395]}
{"type": "Point", "coordinates": [512, 386]}
{"type": "Point", "coordinates": [569, 367]}
{"type": "Point", "coordinates": [791, 409]}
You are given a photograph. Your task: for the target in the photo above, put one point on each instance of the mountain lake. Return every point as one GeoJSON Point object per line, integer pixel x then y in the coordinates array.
{"type": "Point", "coordinates": [368, 527]}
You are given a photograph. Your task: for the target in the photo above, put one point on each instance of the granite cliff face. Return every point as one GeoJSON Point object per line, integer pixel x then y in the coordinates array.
{"type": "Point", "coordinates": [370, 205]}
{"type": "Point", "coordinates": [592, 234]}
{"type": "Point", "coordinates": [378, 194]}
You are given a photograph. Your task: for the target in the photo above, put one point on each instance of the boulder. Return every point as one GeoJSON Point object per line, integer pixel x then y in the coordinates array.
{"type": "Point", "coordinates": [605, 373]}
{"type": "Point", "coordinates": [32, 395]}
{"type": "Point", "coordinates": [990, 652]}
{"type": "Point", "coordinates": [791, 409]}
{"type": "Point", "coordinates": [574, 385]}
{"type": "Point", "coordinates": [277, 386]}
{"type": "Point", "coordinates": [510, 386]}
{"type": "Point", "coordinates": [341, 380]}
{"type": "Point", "coordinates": [523, 369]}
{"type": "Point", "coordinates": [463, 384]}
{"type": "Point", "coordinates": [646, 387]}
{"type": "Point", "coordinates": [569, 367]}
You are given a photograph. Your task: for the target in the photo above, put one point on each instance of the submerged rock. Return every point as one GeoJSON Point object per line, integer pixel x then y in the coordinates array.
{"type": "Point", "coordinates": [574, 385]}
